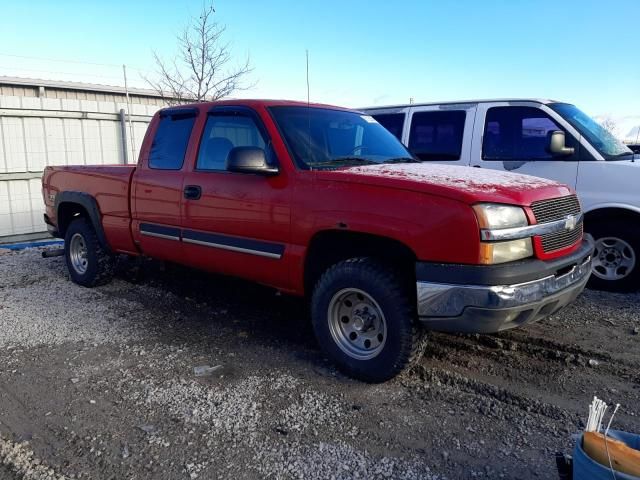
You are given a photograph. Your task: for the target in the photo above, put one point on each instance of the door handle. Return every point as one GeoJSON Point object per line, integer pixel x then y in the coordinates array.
{"type": "Point", "coordinates": [192, 192]}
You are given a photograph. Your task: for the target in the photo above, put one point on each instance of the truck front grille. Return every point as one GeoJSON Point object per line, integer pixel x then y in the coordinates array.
{"type": "Point", "coordinates": [557, 209]}
{"type": "Point", "coordinates": [559, 240]}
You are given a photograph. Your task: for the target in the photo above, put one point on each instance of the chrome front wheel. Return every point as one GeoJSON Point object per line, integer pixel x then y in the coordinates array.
{"type": "Point", "coordinates": [357, 323]}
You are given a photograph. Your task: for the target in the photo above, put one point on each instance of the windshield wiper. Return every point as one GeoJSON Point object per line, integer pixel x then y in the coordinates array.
{"type": "Point", "coordinates": [351, 159]}
{"type": "Point", "coordinates": [402, 160]}
{"type": "Point", "coordinates": [621, 155]}
{"type": "Point", "coordinates": [343, 160]}
{"type": "Point", "coordinates": [346, 160]}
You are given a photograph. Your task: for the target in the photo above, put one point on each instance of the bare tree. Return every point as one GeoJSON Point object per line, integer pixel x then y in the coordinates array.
{"type": "Point", "coordinates": [609, 124]}
{"type": "Point", "coordinates": [202, 69]}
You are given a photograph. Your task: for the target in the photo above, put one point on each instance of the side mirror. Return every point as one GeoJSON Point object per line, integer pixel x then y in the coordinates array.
{"type": "Point", "coordinates": [557, 145]}
{"type": "Point", "coordinates": [249, 160]}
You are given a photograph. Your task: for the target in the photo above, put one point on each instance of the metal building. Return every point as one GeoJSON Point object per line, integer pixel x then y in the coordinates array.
{"type": "Point", "coordinates": [46, 122]}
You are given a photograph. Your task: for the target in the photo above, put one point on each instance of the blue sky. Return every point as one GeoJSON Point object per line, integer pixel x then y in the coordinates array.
{"type": "Point", "coordinates": [361, 52]}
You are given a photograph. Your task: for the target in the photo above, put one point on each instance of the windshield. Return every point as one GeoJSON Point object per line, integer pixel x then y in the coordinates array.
{"type": "Point", "coordinates": [609, 146]}
{"type": "Point", "coordinates": [323, 138]}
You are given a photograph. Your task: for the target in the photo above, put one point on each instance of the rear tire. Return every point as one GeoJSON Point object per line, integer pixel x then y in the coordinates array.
{"type": "Point", "coordinates": [89, 264]}
{"type": "Point", "coordinates": [364, 319]}
{"type": "Point", "coordinates": [616, 260]}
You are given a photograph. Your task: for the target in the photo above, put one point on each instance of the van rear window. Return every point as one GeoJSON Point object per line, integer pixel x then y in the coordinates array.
{"type": "Point", "coordinates": [394, 122]}
{"type": "Point", "coordinates": [437, 135]}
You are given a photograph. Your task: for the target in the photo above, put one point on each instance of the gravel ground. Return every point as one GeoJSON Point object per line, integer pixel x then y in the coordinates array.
{"type": "Point", "coordinates": [100, 384]}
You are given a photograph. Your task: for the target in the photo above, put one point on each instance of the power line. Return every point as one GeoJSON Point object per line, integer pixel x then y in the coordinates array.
{"type": "Point", "coordinates": [81, 62]}
{"type": "Point", "coordinates": [61, 73]}
{"type": "Point", "coordinates": [58, 60]}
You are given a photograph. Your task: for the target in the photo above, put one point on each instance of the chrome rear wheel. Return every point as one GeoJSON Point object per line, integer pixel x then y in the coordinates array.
{"type": "Point", "coordinates": [78, 254]}
{"type": "Point", "coordinates": [88, 262]}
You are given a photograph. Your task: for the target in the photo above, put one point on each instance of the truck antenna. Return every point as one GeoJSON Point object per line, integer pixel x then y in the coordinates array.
{"type": "Point", "coordinates": [308, 102]}
{"type": "Point", "coordinates": [308, 111]}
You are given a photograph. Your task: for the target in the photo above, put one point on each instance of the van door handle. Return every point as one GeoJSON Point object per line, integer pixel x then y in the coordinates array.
{"type": "Point", "coordinates": [192, 192]}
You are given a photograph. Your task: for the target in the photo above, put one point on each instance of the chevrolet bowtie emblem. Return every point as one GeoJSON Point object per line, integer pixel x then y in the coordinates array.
{"type": "Point", "coordinates": [571, 222]}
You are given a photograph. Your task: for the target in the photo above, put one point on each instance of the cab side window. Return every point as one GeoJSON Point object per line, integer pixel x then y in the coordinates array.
{"type": "Point", "coordinates": [394, 122]}
{"type": "Point", "coordinates": [520, 134]}
{"type": "Point", "coordinates": [221, 134]}
{"type": "Point", "coordinates": [437, 135]}
{"type": "Point", "coordinates": [170, 142]}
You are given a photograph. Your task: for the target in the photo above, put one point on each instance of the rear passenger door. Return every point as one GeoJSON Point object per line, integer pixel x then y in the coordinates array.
{"type": "Point", "coordinates": [156, 188]}
{"type": "Point", "coordinates": [515, 138]}
{"type": "Point", "coordinates": [441, 134]}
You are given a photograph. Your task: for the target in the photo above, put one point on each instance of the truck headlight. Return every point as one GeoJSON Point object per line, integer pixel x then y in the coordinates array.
{"type": "Point", "coordinates": [494, 216]}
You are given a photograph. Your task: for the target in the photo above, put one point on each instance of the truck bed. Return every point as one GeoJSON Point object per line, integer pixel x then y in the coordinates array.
{"type": "Point", "coordinates": [110, 185]}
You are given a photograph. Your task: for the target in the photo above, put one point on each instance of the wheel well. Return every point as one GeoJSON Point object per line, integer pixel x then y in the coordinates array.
{"type": "Point", "coordinates": [67, 212]}
{"type": "Point", "coordinates": [332, 246]}
{"type": "Point", "coordinates": [611, 213]}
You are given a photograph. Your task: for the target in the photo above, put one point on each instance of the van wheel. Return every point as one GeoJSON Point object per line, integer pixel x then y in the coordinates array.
{"type": "Point", "coordinates": [89, 264]}
{"type": "Point", "coordinates": [364, 320]}
{"type": "Point", "coordinates": [616, 259]}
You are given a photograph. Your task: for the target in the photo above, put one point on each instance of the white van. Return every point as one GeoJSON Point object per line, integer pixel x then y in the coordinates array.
{"type": "Point", "coordinates": [547, 139]}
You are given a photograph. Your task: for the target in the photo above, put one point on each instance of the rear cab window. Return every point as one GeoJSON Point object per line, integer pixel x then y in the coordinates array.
{"type": "Point", "coordinates": [520, 133]}
{"type": "Point", "coordinates": [437, 135]}
{"type": "Point", "coordinates": [170, 141]}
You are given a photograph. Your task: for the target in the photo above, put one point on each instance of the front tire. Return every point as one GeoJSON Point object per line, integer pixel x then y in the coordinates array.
{"type": "Point", "coordinates": [89, 264]}
{"type": "Point", "coordinates": [364, 320]}
{"type": "Point", "coordinates": [616, 260]}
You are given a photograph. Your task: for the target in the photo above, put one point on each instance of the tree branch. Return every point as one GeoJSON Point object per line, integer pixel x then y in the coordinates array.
{"type": "Point", "coordinates": [200, 71]}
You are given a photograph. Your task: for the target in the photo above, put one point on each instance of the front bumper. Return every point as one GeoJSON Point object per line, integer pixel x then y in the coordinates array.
{"type": "Point", "coordinates": [489, 306]}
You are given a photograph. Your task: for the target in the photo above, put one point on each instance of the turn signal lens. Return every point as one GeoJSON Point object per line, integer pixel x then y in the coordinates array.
{"type": "Point", "coordinates": [502, 252]}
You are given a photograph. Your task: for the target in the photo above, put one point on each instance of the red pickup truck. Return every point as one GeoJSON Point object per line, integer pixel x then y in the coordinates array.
{"type": "Point", "coordinates": [323, 202]}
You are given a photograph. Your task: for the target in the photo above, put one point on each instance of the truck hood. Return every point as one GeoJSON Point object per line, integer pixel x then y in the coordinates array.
{"type": "Point", "coordinates": [467, 184]}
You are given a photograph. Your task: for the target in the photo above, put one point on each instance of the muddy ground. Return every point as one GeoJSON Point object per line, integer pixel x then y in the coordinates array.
{"type": "Point", "coordinates": [100, 384]}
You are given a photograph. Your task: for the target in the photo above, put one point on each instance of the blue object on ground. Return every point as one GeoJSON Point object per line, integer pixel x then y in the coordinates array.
{"type": "Point", "coordinates": [584, 468]}
{"type": "Point", "coordinates": [42, 243]}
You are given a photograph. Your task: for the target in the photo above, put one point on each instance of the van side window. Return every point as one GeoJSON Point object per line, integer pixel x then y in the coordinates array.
{"type": "Point", "coordinates": [170, 142]}
{"type": "Point", "coordinates": [519, 133]}
{"type": "Point", "coordinates": [394, 122]}
{"type": "Point", "coordinates": [221, 134]}
{"type": "Point", "coordinates": [437, 135]}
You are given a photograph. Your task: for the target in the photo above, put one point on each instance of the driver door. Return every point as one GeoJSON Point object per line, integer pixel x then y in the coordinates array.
{"type": "Point", "coordinates": [515, 138]}
{"type": "Point", "coordinates": [236, 223]}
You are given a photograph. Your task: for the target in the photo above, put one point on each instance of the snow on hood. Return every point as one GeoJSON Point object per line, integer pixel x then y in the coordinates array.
{"type": "Point", "coordinates": [466, 178]}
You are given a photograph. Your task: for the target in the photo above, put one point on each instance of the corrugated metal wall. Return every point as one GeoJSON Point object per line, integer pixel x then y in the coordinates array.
{"type": "Point", "coordinates": [40, 131]}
